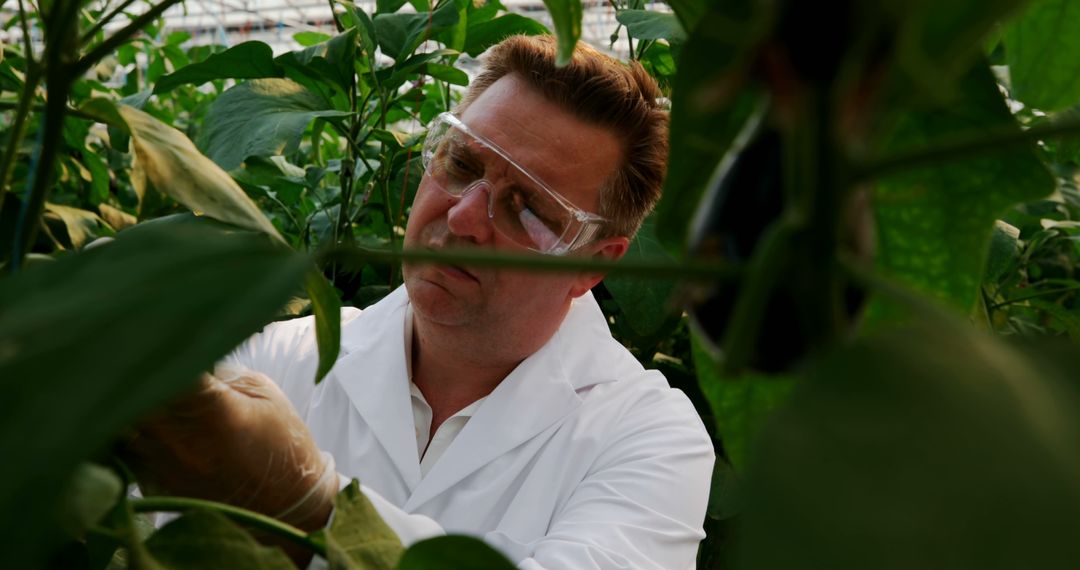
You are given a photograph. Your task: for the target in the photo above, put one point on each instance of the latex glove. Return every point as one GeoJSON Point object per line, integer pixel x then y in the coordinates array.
{"type": "Point", "coordinates": [237, 440]}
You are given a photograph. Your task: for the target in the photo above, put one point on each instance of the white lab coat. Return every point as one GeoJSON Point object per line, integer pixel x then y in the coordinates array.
{"type": "Point", "coordinates": [579, 459]}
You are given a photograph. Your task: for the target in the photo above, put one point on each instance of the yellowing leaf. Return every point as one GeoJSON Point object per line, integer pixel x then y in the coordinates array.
{"type": "Point", "coordinates": [174, 166]}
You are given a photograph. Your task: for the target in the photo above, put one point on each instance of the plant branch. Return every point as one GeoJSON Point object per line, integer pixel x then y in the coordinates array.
{"type": "Point", "coordinates": [18, 127]}
{"type": "Point", "coordinates": [966, 146]}
{"type": "Point", "coordinates": [40, 108]}
{"type": "Point", "coordinates": [252, 518]}
{"type": "Point", "coordinates": [690, 270]}
{"type": "Point", "coordinates": [28, 47]}
{"type": "Point", "coordinates": [337, 20]}
{"type": "Point", "coordinates": [1036, 295]}
{"type": "Point", "coordinates": [117, 39]}
{"type": "Point", "coordinates": [89, 35]}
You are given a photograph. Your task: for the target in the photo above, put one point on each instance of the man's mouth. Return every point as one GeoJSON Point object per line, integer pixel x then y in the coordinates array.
{"type": "Point", "coordinates": [457, 272]}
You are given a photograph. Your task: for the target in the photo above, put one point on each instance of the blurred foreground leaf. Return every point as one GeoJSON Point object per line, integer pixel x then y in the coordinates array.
{"type": "Point", "coordinates": [203, 540]}
{"type": "Point", "coordinates": [454, 553]}
{"type": "Point", "coordinates": [566, 17]}
{"type": "Point", "coordinates": [1042, 49]}
{"type": "Point", "coordinates": [929, 447]}
{"type": "Point", "coordinates": [96, 340]}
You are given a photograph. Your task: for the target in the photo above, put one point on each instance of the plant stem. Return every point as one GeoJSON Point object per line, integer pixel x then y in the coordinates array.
{"type": "Point", "coordinates": [18, 127]}
{"type": "Point", "coordinates": [39, 108]}
{"type": "Point", "coordinates": [116, 40]}
{"type": "Point", "coordinates": [252, 518]}
{"type": "Point", "coordinates": [89, 35]}
{"type": "Point", "coordinates": [337, 21]}
{"type": "Point", "coordinates": [966, 146]}
{"type": "Point", "coordinates": [704, 270]}
{"type": "Point", "coordinates": [28, 47]}
{"type": "Point", "coordinates": [1023, 298]}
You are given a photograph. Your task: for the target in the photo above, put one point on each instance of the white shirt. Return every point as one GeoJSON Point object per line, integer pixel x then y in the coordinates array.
{"type": "Point", "coordinates": [580, 459]}
{"type": "Point", "coordinates": [430, 451]}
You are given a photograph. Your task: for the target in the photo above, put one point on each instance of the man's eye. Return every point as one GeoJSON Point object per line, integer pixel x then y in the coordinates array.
{"type": "Point", "coordinates": [520, 202]}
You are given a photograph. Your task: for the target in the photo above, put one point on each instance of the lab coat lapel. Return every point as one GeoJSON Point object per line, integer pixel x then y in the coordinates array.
{"type": "Point", "coordinates": [375, 378]}
{"type": "Point", "coordinates": [536, 395]}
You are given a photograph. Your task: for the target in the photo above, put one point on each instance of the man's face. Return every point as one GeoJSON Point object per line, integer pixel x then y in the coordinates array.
{"type": "Point", "coordinates": [573, 157]}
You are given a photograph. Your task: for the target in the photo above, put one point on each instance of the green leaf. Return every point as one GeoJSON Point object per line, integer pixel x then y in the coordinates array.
{"type": "Point", "coordinates": [1042, 49]}
{"type": "Point", "coordinates": [447, 73]}
{"type": "Point", "coordinates": [326, 306]}
{"type": "Point", "coordinates": [934, 223]}
{"type": "Point", "coordinates": [1065, 319]}
{"type": "Point", "coordinates": [358, 539]}
{"type": "Point", "coordinates": [388, 6]}
{"type": "Point", "coordinates": [709, 108]}
{"type": "Point", "coordinates": [916, 450]}
{"type": "Point", "coordinates": [646, 304]}
{"type": "Point", "coordinates": [939, 41]}
{"type": "Point", "coordinates": [173, 164]}
{"type": "Point", "coordinates": [689, 12]}
{"type": "Point", "coordinates": [203, 540]}
{"type": "Point", "coordinates": [333, 59]}
{"type": "Point", "coordinates": [454, 553]}
{"type": "Point", "coordinates": [566, 16]}
{"type": "Point", "coordinates": [248, 60]}
{"type": "Point", "coordinates": [91, 493]}
{"type": "Point", "coordinates": [649, 25]}
{"type": "Point", "coordinates": [262, 117]}
{"type": "Point", "coordinates": [396, 75]}
{"type": "Point", "coordinates": [400, 34]}
{"type": "Point", "coordinates": [741, 405]}
{"type": "Point", "coordinates": [95, 341]}
{"type": "Point", "coordinates": [308, 39]}
{"type": "Point", "coordinates": [483, 34]}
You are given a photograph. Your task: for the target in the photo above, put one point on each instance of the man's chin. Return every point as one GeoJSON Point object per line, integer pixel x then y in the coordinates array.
{"type": "Point", "coordinates": [438, 302]}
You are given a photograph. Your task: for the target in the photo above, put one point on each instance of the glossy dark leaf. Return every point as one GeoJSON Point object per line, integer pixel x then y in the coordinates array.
{"type": "Point", "coordinates": [650, 25]}
{"type": "Point", "coordinates": [203, 540]}
{"type": "Point", "coordinates": [646, 304]}
{"type": "Point", "coordinates": [1042, 49]}
{"type": "Point", "coordinates": [262, 117]}
{"type": "Point", "coordinates": [400, 34]}
{"type": "Point", "coordinates": [333, 59]}
{"type": "Point", "coordinates": [484, 34]}
{"type": "Point", "coordinates": [1004, 251]}
{"type": "Point", "coordinates": [247, 60]}
{"type": "Point", "coordinates": [454, 553]}
{"type": "Point", "coordinates": [174, 299]}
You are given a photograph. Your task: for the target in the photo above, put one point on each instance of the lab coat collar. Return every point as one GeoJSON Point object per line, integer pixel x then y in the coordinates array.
{"type": "Point", "coordinates": [537, 394]}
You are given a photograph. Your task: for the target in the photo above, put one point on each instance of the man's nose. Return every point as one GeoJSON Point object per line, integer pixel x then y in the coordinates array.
{"type": "Point", "coordinates": [468, 216]}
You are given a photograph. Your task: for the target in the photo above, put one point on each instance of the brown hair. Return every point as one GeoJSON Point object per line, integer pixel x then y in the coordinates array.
{"type": "Point", "coordinates": [603, 91]}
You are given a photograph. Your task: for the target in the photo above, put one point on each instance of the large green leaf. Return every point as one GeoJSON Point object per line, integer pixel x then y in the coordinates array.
{"type": "Point", "coordinates": [930, 447]}
{"type": "Point", "coordinates": [96, 340]}
{"type": "Point", "coordinates": [566, 16]}
{"type": "Point", "coordinates": [262, 117]}
{"type": "Point", "coordinates": [400, 34]}
{"type": "Point", "coordinates": [358, 539]}
{"type": "Point", "coordinates": [710, 107]}
{"type": "Point", "coordinates": [333, 59]}
{"type": "Point", "coordinates": [172, 163]}
{"type": "Point", "coordinates": [689, 12]}
{"type": "Point", "coordinates": [484, 34]}
{"type": "Point", "coordinates": [934, 222]}
{"type": "Point", "coordinates": [646, 304]}
{"type": "Point", "coordinates": [247, 60]}
{"type": "Point", "coordinates": [203, 540]}
{"type": "Point", "coordinates": [741, 404]}
{"type": "Point", "coordinates": [650, 25]}
{"type": "Point", "coordinates": [1042, 49]}
{"type": "Point", "coordinates": [454, 553]}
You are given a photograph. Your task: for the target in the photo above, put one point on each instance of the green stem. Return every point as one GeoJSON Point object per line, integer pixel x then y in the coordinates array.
{"type": "Point", "coordinates": [89, 35]}
{"type": "Point", "coordinates": [28, 47]}
{"type": "Point", "coordinates": [252, 518]}
{"type": "Point", "coordinates": [337, 20]}
{"type": "Point", "coordinates": [1023, 298]}
{"type": "Point", "coordinates": [18, 127]}
{"type": "Point", "coordinates": [703, 270]}
{"type": "Point", "coordinates": [40, 108]}
{"type": "Point", "coordinates": [116, 40]}
{"type": "Point", "coordinates": [966, 146]}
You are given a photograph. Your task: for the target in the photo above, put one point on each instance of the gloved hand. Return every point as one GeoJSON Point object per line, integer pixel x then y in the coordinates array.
{"type": "Point", "coordinates": [237, 440]}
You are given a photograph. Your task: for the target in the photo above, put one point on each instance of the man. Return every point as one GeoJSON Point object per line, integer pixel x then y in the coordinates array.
{"type": "Point", "coordinates": [484, 401]}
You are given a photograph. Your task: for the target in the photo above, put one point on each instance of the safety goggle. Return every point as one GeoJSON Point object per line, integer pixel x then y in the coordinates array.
{"type": "Point", "coordinates": [522, 208]}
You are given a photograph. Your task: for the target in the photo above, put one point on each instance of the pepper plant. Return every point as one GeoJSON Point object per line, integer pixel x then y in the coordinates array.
{"type": "Point", "coordinates": [863, 269]}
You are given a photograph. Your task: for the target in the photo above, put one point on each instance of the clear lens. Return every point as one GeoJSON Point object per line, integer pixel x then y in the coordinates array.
{"type": "Point", "coordinates": [521, 207]}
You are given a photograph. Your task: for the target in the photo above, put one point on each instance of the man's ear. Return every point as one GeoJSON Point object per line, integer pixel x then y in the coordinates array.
{"type": "Point", "coordinates": [608, 249]}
